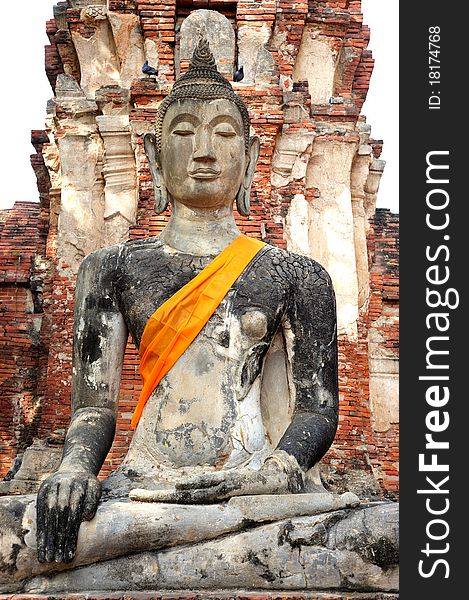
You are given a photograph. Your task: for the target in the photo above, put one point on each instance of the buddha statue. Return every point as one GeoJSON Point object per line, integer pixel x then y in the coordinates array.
{"type": "Point", "coordinates": [201, 433]}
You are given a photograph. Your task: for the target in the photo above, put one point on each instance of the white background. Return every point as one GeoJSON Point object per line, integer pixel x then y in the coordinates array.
{"type": "Point", "coordinates": [25, 90]}
{"type": "Point", "coordinates": [382, 104]}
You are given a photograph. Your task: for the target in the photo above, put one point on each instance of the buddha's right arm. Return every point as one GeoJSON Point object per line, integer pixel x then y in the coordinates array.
{"type": "Point", "coordinates": [71, 495]}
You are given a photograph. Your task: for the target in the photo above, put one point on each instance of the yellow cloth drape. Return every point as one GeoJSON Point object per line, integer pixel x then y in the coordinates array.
{"type": "Point", "coordinates": [176, 323]}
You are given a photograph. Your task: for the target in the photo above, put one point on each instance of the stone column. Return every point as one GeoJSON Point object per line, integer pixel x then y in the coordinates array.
{"type": "Point", "coordinates": [96, 51]}
{"type": "Point", "coordinates": [372, 187]}
{"type": "Point", "coordinates": [384, 374]}
{"type": "Point", "coordinates": [359, 176]}
{"type": "Point", "coordinates": [120, 205]}
{"type": "Point", "coordinates": [82, 199]}
{"type": "Point", "coordinates": [129, 44]}
{"type": "Point", "coordinates": [359, 235]}
{"type": "Point", "coordinates": [50, 153]}
{"type": "Point", "coordinates": [316, 63]}
{"type": "Point", "coordinates": [331, 226]}
{"type": "Point", "coordinates": [288, 174]}
{"type": "Point", "coordinates": [80, 150]}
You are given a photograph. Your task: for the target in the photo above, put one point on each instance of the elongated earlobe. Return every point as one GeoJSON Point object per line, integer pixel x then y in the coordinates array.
{"type": "Point", "coordinates": [243, 197]}
{"type": "Point", "coordinates": [161, 194]}
{"type": "Point", "coordinates": [243, 201]}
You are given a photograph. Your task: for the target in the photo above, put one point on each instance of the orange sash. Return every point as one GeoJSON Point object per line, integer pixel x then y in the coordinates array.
{"type": "Point", "coordinates": [175, 324]}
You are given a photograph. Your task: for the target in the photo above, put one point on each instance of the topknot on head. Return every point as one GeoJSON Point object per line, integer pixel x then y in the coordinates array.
{"type": "Point", "coordinates": [203, 56]}
{"type": "Point", "coordinates": [202, 81]}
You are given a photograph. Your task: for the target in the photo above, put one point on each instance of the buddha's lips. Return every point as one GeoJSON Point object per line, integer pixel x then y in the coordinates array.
{"type": "Point", "coordinates": [204, 173]}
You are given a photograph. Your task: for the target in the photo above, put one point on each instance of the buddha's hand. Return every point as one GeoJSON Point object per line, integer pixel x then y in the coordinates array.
{"type": "Point", "coordinates": [64, 500]}
{"type": "Point", "coordinates": [280, 474]}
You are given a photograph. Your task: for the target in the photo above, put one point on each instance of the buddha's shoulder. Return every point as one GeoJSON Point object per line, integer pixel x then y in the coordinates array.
{"type": "Point", "coordinates": [111, 256]}
{"type": "Point", "coordinates": [294, 267]}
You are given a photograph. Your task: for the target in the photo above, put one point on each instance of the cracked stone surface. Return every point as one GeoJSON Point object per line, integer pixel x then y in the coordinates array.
{"type": "Point", "coordinates": [354, 549]}
{"type": "Point", "coordinates": [225, 361]}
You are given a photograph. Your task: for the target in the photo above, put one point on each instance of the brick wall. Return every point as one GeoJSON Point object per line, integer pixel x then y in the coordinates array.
{"type": "Point", "coordinates": [383, 315]}
{"type": "Point", "coordinates": [358, 446]}
{"type": "Point", "coordinates": [21, 345]}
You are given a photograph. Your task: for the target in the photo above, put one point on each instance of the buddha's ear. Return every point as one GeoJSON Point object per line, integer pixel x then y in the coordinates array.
{"type": "Point", "coordinates": [161, 194]}
{"type": "Point", "coordinates": [243, 198]}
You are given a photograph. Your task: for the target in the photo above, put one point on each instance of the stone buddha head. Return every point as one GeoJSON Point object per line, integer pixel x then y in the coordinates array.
{"type": "Point", "coordinates": [202, 154]}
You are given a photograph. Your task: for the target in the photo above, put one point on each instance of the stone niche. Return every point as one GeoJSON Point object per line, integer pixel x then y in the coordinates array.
{"type": "Point", "coordinates": [222, 39]}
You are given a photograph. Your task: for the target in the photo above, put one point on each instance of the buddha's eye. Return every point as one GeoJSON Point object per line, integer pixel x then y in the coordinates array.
{"type": "Point", "coordinates": [183, 131]}
{"type": "Point", "coordinates": [224, 131]}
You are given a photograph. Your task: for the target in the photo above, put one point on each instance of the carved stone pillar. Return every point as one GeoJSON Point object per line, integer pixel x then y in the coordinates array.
{"type": "Point", "coordinates": [316, 63]}
{"type": "Point", "coordinates": [81, 213]}
{"type": "Point", "coordinates": [289, 165]}
{"type": "Point", "coordinates": [331, 227]}
{"type": "Point", "coordinates": [82, 199]}
{"type": "Point", "coordinates": [359, 176]}
{"type": "Point", "coordinates": [372, 186]}
{"type": "Point", "coordinates": [99, 63]}
{"type": "Point", "coordinates": [120, 177]}
{"type": "Point", "coordinates": [359, 236]}
{"type": "Point", "coordinates": [257, 61]}
{"type": "Point", "coordinates": [129, 44]}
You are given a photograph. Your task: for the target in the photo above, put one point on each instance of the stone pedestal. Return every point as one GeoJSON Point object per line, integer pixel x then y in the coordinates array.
{"type": "Point", "coordinates": [311, 542]}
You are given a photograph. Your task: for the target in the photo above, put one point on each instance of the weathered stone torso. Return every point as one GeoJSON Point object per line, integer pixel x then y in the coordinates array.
{"type": "Point", "coordinates": [206, 411]}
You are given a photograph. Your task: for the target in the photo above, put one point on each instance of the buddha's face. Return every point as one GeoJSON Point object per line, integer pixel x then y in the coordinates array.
{"type": "Point", "coordinates": [203, 156]}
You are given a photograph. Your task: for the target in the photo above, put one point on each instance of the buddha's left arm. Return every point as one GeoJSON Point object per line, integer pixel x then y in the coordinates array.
{"type": "Point", "coordinates": [310, 330]}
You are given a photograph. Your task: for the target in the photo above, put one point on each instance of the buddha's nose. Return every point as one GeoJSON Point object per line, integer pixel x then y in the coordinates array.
{"type": "Point", "coordinates": [203, 147]}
